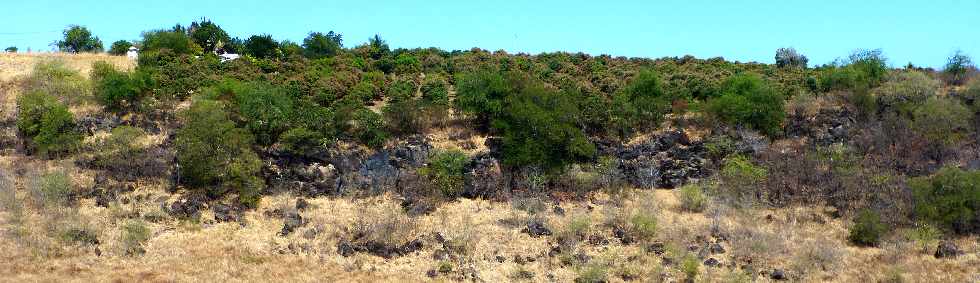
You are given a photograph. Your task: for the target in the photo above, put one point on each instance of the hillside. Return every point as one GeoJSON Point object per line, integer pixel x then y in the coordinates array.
{"type": "Point", "coordinates": [426, 165]}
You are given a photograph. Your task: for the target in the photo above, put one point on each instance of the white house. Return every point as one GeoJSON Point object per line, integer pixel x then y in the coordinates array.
{"type": "Point", "coordinates": [228, 57]}
{"type": "Point", "coordinates": [133, 53]}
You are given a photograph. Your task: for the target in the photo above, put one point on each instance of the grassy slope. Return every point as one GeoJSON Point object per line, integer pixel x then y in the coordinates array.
{"type": "Point", "coordinates": [795, 239]}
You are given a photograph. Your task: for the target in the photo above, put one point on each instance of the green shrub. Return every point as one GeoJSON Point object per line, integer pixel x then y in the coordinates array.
{"type": "Point", "coordinates": [266, 110]}
{"type": "Point", "coordinates": [864, 102]}
{"type": "Point", "coordinates": [52, 189]}
{"type": "Point", "coordinates": [435, 90]}
{"type": "Point", "coordinates": [944, 121]}
{"type": "Point", "coordinates": [867, 229]}
{"type": "Point", "coordinates": [692, 198]}
{"type": "Point", "coordinates": [301, 141]}
{"type": "Point", "coordinates": [950, 199]}
{"type": "Point", "coordinates": [906, 89]}
{"type": "Point", "coordinates": [593, 273]}
{"type": "Point", "coordinates": [54, 78]}
{"type": "Point", "coordinates": [741, 179]}
{"type": "Point", "coordinates": [215, 156]}
{"type": "Point", "coordinates": [643, 226]}
{"type": "Point", "coordinates": [116, 89]}
{"type": "Point", "coordinates": [924, 237]}
{"type": "Point", "coordinates": [445, 170]}
{"type": "Point", "coordinates": [482, 94]}
{"type": "Point", "coordinates": [640, 106]}
{"type": "Point", "coordinates": [538, 130]}
{"type": "Point", "coordinates": [746, 100]}
{"type": "Point", "coordinates": [355, 121]}
{"type": "Point", "coordinates": [972, 95]}
{"type": "Point", "coordinates": [690, 267]}
{"type": "Point", "coordinates": [47, 123]}
{"type": "Point", "coordinates": [862, 69]}
{"type": "Point", "coordinates": [133, 235]}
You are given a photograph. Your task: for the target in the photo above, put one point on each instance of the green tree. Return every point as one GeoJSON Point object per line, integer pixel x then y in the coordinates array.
{"type": "Point", "coordinates": [79, 39]}
{"type": "Point", "coordinates": [867, 229]}
{"type": "Point", "coordinates": [539, 130]}
{"type": "Point", "coordinates": [175, 41]}
{"type": "Point", "coordinates": [958, 67]}
{"type": "Point", "coordinates": [11, 49]}
{"type": "Point", "coordinates": [120, 47]}
{"type": "Point", "coordinates": [208, 35]}
{"type": "Point", "coordinates": [215, 156]}
{"type": "Point", "coordinates": [318, 45]}
{"type": "Point", "coordinates": [262, 46]}
{"type": "Point", "coordinates": [788, 57]}
{"type": "Point", "coordinates": [640, 106]}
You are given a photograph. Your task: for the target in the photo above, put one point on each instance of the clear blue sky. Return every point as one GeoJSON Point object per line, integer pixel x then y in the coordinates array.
{"type": "Point", "coordinates": [922, 32]}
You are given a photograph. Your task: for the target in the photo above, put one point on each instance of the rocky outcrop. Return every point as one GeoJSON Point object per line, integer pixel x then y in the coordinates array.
{"type": "Point", "coordinates": [826, 127]}
{"type": "Point", "coordinates": [338, 171]}
{"type": "Point", "coordinates": [666, 161]}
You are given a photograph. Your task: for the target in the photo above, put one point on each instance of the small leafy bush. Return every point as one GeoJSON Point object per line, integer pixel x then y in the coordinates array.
{"type": "Point", "coordinates": [906, 89]}
{"type": "Point", "coordinates": [640, 106]}
{"type": "Point", "coordinates": [52, 189]}
{"type": "Point", "coordinates": [215, 156]}
{"type": "Point", "coordinates": [944, 121]}
{"type": "Point", "coordinates": [47, 123]}
{"type": "Point", "coordinates": [116, 89]}
{"type": "Point", "coordinates": [445, 170]}
{"type": "Point", "coordinates": [133, 235]}
{"type": "Point", "coordinates": [746, 100]}
{"type": "Point", "coordinates": [950, 199]}
{"type": "Point", "coordinates": [693, 198]}
{"type": "Point", "coordinates": [301, 141]}
{"type": "Point", "coordinates": [741, 178]}
{"type": "Point", "coordinates": [593, 273]}
{"type": "Point", "coordinates": [867, 229]}
{"type": "Point", "coordinates": [690, 267]}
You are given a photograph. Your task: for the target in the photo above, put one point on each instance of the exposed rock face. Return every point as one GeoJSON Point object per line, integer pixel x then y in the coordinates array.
{"type": "Point", "coordinates": [484, 177]}
{"type": "Point", "coordinates": [667, 161]}
{"type": "Point", "coordinates": [826, 127]}
{"type": "Point", "coordinates": [345, 171]}
{"type": "Point", "coordinates": [92, 124]}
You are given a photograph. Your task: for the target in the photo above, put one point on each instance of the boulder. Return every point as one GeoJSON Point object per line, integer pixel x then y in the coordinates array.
{"type": "Point", "coordinates": [947, 249]}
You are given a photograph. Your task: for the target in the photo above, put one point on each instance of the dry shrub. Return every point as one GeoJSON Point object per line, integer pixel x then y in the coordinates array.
{"type": "Point", "coordinates": [459, 232]}
{"type": "Point", "coordinates": [384, 223]}
{"type": "Point", "coordinates": [637, 217]}
{"type": "Point", "coordinates": [817, 254]}
{"type": "Point", "coordinates": [573, 228]}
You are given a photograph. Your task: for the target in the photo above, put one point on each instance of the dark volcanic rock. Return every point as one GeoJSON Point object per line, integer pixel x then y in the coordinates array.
{"type": "Point", "coordinates": [484, 178]}
{"type": "Point", "coordinates": [225, 213]}
{"type": "Point", "coordinates": [947, 249]}
{"type": "Point", "coordinates": [536, 228]}
{"type": "Point", "coordinates": [290, 223]}
{"type": "Point", "coordinates": [667, 161]}
{"type": "Point", "coordinates": [778, 274]}
{"type": "Point", "coordinates": [187, 207]}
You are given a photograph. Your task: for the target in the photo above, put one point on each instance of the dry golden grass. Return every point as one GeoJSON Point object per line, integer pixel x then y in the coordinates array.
{"type": "Point", "coordinates": [14, 65]}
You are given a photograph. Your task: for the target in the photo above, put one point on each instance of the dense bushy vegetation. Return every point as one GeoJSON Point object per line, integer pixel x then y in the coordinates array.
{"type": "Point", "coordinates": [47, 123]}
{"type": "Point", "coordinates": [748, 101]}
{"type": "Point", "coordinates": [949, 199]}
{"type": "Point", "coordinates": [216, 156]}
